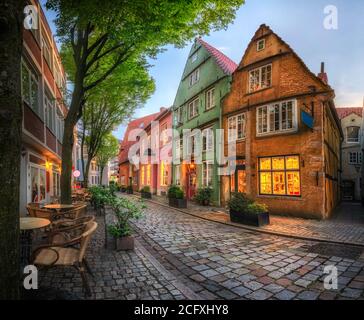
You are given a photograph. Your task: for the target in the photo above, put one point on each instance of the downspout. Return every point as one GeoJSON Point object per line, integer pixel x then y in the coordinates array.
{"type": "Point", "coordinates": [219, 176]}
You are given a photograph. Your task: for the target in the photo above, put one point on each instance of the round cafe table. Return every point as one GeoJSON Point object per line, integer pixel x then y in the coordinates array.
{"type": "Point", "coordinates": [59, 206]}
{"type": "Point", "coordinates": [27, 226]}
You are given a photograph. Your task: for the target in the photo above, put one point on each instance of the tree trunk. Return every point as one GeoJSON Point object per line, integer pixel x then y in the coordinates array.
{"type": "Point", "coordinates": [11, 45]}
{"type": "Point", "coordinates": [87, 170]}
{"type": "Point", "coordinates": [85, 182]}
{"type": "Point", "coordinates": [101, 173]}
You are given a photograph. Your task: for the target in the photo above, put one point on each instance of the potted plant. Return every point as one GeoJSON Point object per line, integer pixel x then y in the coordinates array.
{"type": "Point", "coordinates": [245, 211]}
{"type": "Point", "coordinates": [145, 192]}
{"type": "Point", "coordinates": [124, 211]}
{"type": "Point", "coordinates": [203, 196]}
{"type": "Point", "coordinates": [129, 190]}
{"type": "Point", "coordinates": [176, 197]}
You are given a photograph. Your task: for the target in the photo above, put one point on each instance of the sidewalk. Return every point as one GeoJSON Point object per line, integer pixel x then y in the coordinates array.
{"type": "Point", "coordinates": [342, 228]}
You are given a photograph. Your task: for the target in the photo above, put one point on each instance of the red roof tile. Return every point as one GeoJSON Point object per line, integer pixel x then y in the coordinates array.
{"type": "Point", "coordinates": [224, 62]}
{"type": "Point", "coordinates": [344, 112]}
{"type": "Point", "coordinates": [135, 124]}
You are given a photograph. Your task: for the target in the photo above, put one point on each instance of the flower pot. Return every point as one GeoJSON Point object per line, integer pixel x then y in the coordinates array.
{"type": "Point", "coordinates": [250, 219]}
{"type": "Point", "coordinates": [178, 203]}
{"type": "Point", "coordinates": [124, 243]}
{"type": "Point", "coordinates": [146, 195]}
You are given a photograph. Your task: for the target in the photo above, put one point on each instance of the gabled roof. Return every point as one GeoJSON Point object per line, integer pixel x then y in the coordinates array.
{"type": "Point", "coordinates": [223, 61]}
{"type": "Point", "coordinates": [141, 123]}
{"type": "Point", "coordinates": [344, 112]}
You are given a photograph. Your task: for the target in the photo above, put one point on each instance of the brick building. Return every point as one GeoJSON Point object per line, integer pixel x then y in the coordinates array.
{"type": "Point", "coordinates": [352, 155]}
{"type": "Point", "coordinates": [287, 132]}
{"type": "Point", "coordinates": [43, 85]}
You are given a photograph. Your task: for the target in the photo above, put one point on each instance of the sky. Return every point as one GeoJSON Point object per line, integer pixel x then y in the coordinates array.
{"type": "Point", "coordinates": [299, 23]}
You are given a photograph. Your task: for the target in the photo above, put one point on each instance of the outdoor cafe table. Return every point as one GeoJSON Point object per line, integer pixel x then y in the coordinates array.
{"type": "Point", "coordinates": [59, 206]}
{"type": "Point", "coordinates": [27, 226]}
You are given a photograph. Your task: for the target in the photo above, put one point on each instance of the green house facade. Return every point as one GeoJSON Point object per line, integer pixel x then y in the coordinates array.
{"type": "Point", "coordinates": [205, 81]}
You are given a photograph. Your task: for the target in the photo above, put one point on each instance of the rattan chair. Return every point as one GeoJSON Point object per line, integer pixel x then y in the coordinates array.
{"type": "Point", "coordinates": [63, 225]}
{"type": "Point", "coordinates": [40, 212]}
{"type": "Point", "coordinates": [65, 255]}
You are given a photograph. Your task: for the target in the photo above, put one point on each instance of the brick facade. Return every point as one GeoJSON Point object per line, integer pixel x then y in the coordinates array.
{"type": "Point", "coordinates": [317, 148]}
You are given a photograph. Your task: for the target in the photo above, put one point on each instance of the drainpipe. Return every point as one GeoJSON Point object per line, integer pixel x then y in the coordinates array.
{"type": "Point", "coordinates": [219, 176]}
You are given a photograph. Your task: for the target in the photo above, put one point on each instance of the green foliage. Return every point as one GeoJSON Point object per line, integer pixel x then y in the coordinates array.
{"type": "Point", "coordinates": [239, 202]}
{"type": "Point", "coordinates": [175, 192]}
{"type": "Point", "coordinates": [204, 195]}
{"type": "Point", "coordinates": [145, 189]}
{"type": "Point", "coordinates": [109, 148]}
{"type": "Point", "coordinates": [100, 195]}
{"type": "Point", "coordinates": [124, 210]}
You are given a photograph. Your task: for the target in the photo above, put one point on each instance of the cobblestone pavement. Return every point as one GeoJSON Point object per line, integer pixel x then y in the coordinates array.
{"type": "Point", "coordinates": [219, 261]}
{"type": "Point", "coordinates": [341, 230]}
{"type": "Point", "coordinates": [117, 275]}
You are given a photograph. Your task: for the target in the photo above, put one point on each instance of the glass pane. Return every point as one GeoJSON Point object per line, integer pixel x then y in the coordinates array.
{"type": "Point", "coordinates": [293, 183]}
{"type": "Point", "coordinates": [34, 95]}
{"type": "Point", "coordinates": [278, 163]}
{"type": "Point", "coordinates": [265, 163]}
{"type": "Point", "coordinates": [34, 176]}
{"type": "Point", "coordinates": [242, 181]}
{"type": "Point", "coordinates": [25, 84]}
{"type": "Point", "coordinates": [292, 162]}
{"type": "Point", "coordinates": [42, 185]}
{"type": "Point", "coordinates": [232, 183]}
{"type": "Point", "coordinates": [265, 183]}
{"type": "Point", "coordinates": [279, 183]}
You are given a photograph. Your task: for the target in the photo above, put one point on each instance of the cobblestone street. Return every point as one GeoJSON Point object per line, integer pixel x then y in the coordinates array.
{"type": "Point", "coordinates": [179, 256]}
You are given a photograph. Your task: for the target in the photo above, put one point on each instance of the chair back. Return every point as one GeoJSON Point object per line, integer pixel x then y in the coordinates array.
{"type": "Point", "coordinates": [43, 213]}
{"type": "Point", "coordinates": [86, 237]}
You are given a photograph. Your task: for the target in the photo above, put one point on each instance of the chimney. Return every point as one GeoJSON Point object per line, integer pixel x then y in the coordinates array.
{"type": "Point", "coordinates": [162, 109]}
{"type": "Point", "coordinates": [323, 75]}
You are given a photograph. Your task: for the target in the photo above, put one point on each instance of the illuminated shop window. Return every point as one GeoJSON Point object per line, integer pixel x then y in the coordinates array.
{"type": "Point", "coordinates": [280, 176]}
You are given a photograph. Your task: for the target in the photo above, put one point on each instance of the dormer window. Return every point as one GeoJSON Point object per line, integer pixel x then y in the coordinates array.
{"type": "Point", "coordinates": [261, 45]}
{"type": "Point", "coordinates": [352, 134]}
{"type": "Point", "coordinates": [194, 77]}
{"type": "Point", "coordinates": [194, 57]}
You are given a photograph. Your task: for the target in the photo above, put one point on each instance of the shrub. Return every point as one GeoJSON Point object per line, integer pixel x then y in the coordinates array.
{"type": "Point", "coordinates": [239, 202]}
{"type": "Point", "coordinates": [145, 189]}
{"type": "Point", "coordinates": [175, 192]}
{"type": "Point", "coordinates": [204, 195]}
{"type": "Point", "coordinates": [256, 208]}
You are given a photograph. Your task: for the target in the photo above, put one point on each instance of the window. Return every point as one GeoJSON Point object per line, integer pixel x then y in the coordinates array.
{"type": "Point", "coordinates": [164, 174]}
{"type": "Point", "coordinates": [47, 52]}
{"type": "Point", "coordinates": [164, 134]}
{"type": "Point", "coordinates": [207, 139]}
{"type": "Point", "coordinates": [260, 78]}
{"type": "Point", "coordinates": [207, 172]}
{"type": "Point", "coordinates": [177, 175]}
{"type": "Point", "coordinates": [280, 176]}
{"type": "Point", "coordinates": [38, 184]}
{"type": "Point", "coordinates": [193, 108]}
{"type": "Point", "coordinates": [261, 45]}
{"type": "Point", "coordinates": [142, 175]}
{"type": "Point", "coordinates": [193, 143]}
{"type": "Point", "coordinates": [194, 77]}
{"type": "Point", "coordinates": [352, 134]}
{"type": "Point", "coordinates": [56, 184]}
{"type": "Point", "coordinates": [278, 117]}
{"type": "Point", "coordinates": [60, 127]}
{"type": "Point", "coordinates": [236, 127]}
{"type": "Point", "coordinates": [30, 91]}
{"type": "Point", "coordinates": [50, 112]}
{"type": "Point", "coordinates": [194, 57]}
{"type": "Point", "coordinates": [355, 157]}
{"type": "Point", "coordinates": [148, 174]}
{"type": "Point", "coordinates": [179, 116]}
{"type": "Point", "coordinates": [210, 99]}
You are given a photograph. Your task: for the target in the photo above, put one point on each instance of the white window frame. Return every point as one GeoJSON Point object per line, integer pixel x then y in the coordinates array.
{"type": "Point", "coordinates": [268, 109]}
{"type": "Point", "coordinates": [356, 141]}
{"type": "Point", "coordinates": [177, 175]}
{"type": "Point", "coordinates": [208, 134]}
{"type": "Point", "coordinates": [194, 77]}
{"type": "Point", "coordinates": [32, 78]}
{"type": "Point", "coordinates": [195, 104]}
{"type": "Point", "coordinates": [194, 57]}
{"type": "Point", "coordinates": [207, 180]}
{"type": "Point", "coordinates": [210, 99]}
{"type": "Point", "coordinates": [260, 84]}
{"type": "Point", "coordinates": [355, 157]}
{"type": "Point", "coordinates": [233, 130]}
{"type": "Point", "coordinates": [259, 42]}
{"type": "Point", "coordinates": [47, 52]}
{"type": "Point", "coordinates": [50, 113]}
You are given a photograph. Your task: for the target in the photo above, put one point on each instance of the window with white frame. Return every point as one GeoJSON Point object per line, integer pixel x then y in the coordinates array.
{"type": "Point", "coordinates": [260, 78]}
{"type": "Point", "coordinates": [277, 117]}
{"type": "Point", "coordinates": [207, 172]}
{"type": "Point", "coordinates": [194, 77]}
{"type": "Point", "coordinates": [210, 99]}
{"type": "Point", "coordinates": [179, 116]}
{"type": "Point", "coordinates": [164, 134]}
{"type": "Point", "coordinates": [193, 108]}
{"type": "Point", "coordinates": [47, 52]}
{"type": "Point", "coordinates": [60, 126]}
{"type": "Point", "coordinates": [164, 174]}
{"type": "Point", "coordinates": [50, 112]}
{"type": "Point", "coordinates": [260, 44]}
{"type": "Point", "coordinates": [355, 157]}
{"type": "Point", "coordinates": [30, 89]}
{"type": "Point", "coordinates": [207, 139]}
{"type": "Point", "coordinates": [352, 134]}
{"type": "Point", "coordinates": [193, 143]}
{"type": "Point", "coordinates": [236, 127]}
{"type": "Point", "coordinates": [177, 175]}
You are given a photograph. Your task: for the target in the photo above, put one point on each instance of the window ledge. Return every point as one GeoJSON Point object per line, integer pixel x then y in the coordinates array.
{"type": "Point", "coordinates": [258, 91]}
{"type": "Point", "coordinates": [279, 133]}
{"type": "Point", "coordinates": [276, 197]}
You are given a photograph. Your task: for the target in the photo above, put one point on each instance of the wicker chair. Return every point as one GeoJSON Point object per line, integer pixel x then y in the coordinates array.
{"type": "Point", "coordinates": [40, 212]}
{"type": "Point", "coordinates": [63, 255]}
{"type": "Point", "coordinates": [63, 230]}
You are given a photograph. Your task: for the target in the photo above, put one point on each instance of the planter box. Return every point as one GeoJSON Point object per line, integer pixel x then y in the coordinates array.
{"type": "Point", "coordinates": [124, 243]}
{"type": "Point", "coordinates": [256, 220]}
{"type": "Point", "coordinates": [146, 195]}
{"type": "Point", "coordinates": [178, 203]}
